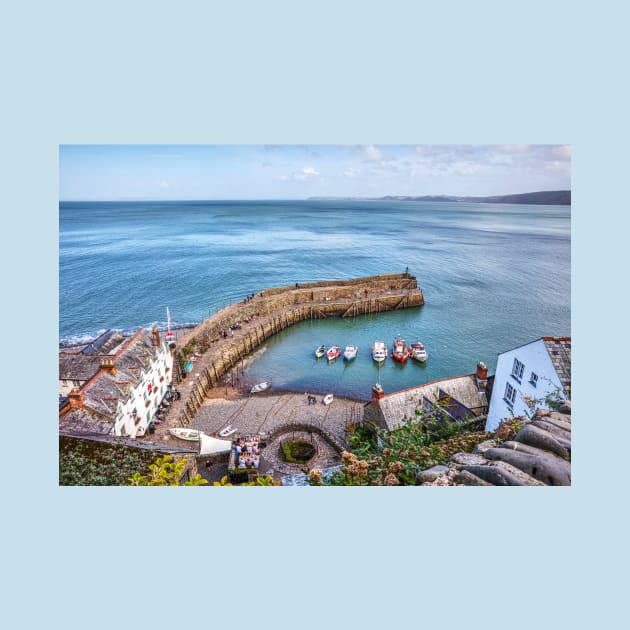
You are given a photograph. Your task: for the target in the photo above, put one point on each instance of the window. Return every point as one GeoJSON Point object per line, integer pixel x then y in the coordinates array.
{"type": "Point", "coordinates": [533, 379]}
{"type": "Point", "coordinates": [517, 370]}
{"type": "Point", "coordinates": [510, 394]}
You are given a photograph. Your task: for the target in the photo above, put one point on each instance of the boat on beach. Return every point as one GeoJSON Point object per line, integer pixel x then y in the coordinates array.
{"type": "Point", "coordinates": [185, 434]}
{"type": "Point", "coordinates": [227, 431]}
{"type": "Point", "coordinates": [379, 351]}
{"type": "Point", "coordinates": [333, 353]}
{"type": "Point", "coordinates": [399, 350]}
{"type": "Point", "coordinates": [260, 387]}
{"type": "Point", "coordinates": [350, 353]}
{"type": "Point", "coordinates": [328, 398]}
{"type": "Point", "coordinates": [320, 352]}
{"type": "Point", "coordinates": [418, 352]}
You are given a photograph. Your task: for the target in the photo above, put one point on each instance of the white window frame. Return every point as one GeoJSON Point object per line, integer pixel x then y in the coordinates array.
{"type": "Point", "coordinates": [517, 369]}
{"type": "Point", "coordinates": [510, 394]}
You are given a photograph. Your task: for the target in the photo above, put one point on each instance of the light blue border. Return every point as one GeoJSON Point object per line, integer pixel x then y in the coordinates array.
{"type": "Point", "coordinates": [288, 72]}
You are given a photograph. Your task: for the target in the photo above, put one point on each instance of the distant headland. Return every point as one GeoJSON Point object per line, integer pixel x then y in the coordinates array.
{"type": "Point", "coordinates": [544, 197]}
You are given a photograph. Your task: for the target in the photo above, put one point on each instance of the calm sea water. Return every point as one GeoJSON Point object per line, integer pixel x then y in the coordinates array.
{"type": "Point", "coordinates": [494, 276]}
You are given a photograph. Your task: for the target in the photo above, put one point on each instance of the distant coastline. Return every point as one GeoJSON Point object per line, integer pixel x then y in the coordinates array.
{"type": "Point", "coordinates": [544, 197]}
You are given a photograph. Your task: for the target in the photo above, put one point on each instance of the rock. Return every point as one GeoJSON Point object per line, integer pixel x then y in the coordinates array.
{"type": "Point", "coordinates": [502, 474]}
{"type": "Point", "coordinates": [564, 437]}
{"type": "Point", "coordinates": [545, 467]}
{"type": "Point", "coordinates": [466, 478]}
{"type": "Point", "coordinates": [520, 446]}
{"type": "Point", "coordinates": [565, 407]}
{"type": "Point", "coordinates": [482, 447]}
{"type": "Point", "coordinates": [535, 436]}
{"type": "Point", "coordinates": [467, 459]}
{"type": "Point", "coordinates": [560, 424]}
{"type": "Point", "coordinates": [542, 412]}
{"type": "Point", "coordinates": [562, 417]}
{"type": "Point", "coordinates": [431, 474]}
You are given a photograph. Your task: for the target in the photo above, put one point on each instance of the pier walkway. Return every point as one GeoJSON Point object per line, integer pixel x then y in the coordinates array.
{"type": "Point", "coordinates": [220, 346]}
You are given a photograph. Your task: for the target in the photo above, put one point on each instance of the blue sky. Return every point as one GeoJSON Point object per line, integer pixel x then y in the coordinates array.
{"type": "Point", "coordinates": [124, 172]}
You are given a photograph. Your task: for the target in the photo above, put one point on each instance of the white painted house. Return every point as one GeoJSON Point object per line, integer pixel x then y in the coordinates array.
{"type": "Point", "coordinates": [529, 373]}
{"type": "Point", "coordinates": [119, 391]}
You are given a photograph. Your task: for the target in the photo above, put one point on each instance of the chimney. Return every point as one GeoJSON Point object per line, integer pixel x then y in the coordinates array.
{"type": "Point", "coordinates": [76, 398]}
{"type": "Point", "coordinates": [377, 393]}
{"type": "Point", "coordinates": [107, 365]}
{"type": "Point", "coordinates": [482, 371]}
{"type": "Point", "coordinates": [481, 376]}
{"type": "Point", "coordinates": [156, 337]}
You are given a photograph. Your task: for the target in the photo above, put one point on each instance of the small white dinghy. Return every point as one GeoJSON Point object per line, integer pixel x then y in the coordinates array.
{"type": "Point", "coordinates": [185, 434]}
{"type": "Point", "coordinates": [227, 431]}
{"type": "Point", "coordinates": [260, 387]}
{"type": "Point", "coordinates": [320, 352]}
{"type": "Point", "coordinates": [328, 398]}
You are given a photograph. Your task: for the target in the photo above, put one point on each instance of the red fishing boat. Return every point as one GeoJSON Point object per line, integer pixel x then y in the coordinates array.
{"type": "Point", "coordinates": [399, 350]}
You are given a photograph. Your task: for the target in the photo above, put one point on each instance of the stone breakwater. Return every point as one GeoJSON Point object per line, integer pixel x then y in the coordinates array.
{"type": "Point", "coordinates": [220, 346]}
{"type": "Point", "coordinates": [539, 455]}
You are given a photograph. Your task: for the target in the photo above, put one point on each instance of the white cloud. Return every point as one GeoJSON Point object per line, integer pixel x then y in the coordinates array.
{"type": "Point", "coordinates": [352, 172]}
{"type": "Point", "coordinates": [308, 172]}
{"type": "Point", "coordinates": [373, 153]}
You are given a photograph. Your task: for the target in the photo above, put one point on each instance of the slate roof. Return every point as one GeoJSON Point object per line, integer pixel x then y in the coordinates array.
{"type": "Point", "coordinates": [103, 390]}
{"type": "Point", "coordinates": [559, 349]}
{"type": "Point", "coordinates": [83, 363]}
{"type": "Point", "coordinates": [395, 407]}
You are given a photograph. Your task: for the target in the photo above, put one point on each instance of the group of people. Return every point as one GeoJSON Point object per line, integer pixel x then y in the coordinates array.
{"type": "Point", "coordinates": [247, 451]}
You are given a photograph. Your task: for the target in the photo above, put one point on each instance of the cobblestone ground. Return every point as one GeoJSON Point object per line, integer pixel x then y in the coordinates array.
{"type": "Point", "coordinates": [257, 414]}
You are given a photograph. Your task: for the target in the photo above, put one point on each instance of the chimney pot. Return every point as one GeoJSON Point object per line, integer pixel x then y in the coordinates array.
{"type": "Point", "coordinates": [377, 393]}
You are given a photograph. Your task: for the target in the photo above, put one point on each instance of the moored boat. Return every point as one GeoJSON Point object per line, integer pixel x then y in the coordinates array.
{"type": "Point", "coordinates": [379, 351]}
{"type": "Point", "coordinates": [328, 398]}
{"type": "Point", "coordinates": [350, 353]}
{"type": "Point", "coordinates": [333, 352]}
{"type": "Point", "coordinates": [418, 352]}
{"type": "Point", "coordinates": [320, 352]}
{"type": "Point", "coordinates": [399, 350]}
{"type": "Point", "coordinates": [260, 387]}
{"type": "Point", "coordinates": [185, 434]}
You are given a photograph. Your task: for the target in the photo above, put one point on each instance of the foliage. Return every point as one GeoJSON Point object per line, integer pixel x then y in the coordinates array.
{"type": "Point", "coordinates": [551, 400]}
{"type": "Point", "coordinates": [298, 452]}
{"type": "Point", "coordinates": [376, 457]}
{"type": "Point", "coordinates": [90, 463]}
{"type": "Point", "coordinates": [165, 472]}
{"type": "Point", "coordinates": [260, 481]}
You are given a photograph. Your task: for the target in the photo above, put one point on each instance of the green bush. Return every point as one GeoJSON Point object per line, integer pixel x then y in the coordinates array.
{"type": "Point", "coordinates": [298, 452]}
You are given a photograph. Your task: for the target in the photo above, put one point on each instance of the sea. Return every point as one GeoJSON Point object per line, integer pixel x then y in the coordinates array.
{"type": "Point", "coordinates": [494, 276]}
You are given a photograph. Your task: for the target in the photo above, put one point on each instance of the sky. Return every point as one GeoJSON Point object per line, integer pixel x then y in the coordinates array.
{"type": "Point", "coordinates": [178, 172]}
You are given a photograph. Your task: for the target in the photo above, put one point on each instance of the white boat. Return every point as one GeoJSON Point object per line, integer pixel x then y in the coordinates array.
{"type": "Point", "coordinates": [320, 352]}
{"type": "Point", "coordinates": [227, 431]}
{"type": "Point", "coordinates": [328, 398]}
{"type": "Point", "coordinates": [260, 387]}
{"type": "Point", "coordinates": [418, 352]}
{"type": "Point", "coordinates": [379, 351]}
{"type": "Point", "coordinates": [333, 352]}
{"type": "Point", "coordinates": [209, 445]}
{"type": "Point", "coordinates": [185, 434]}
{"type": "Point", "coordinates": [350, 353]}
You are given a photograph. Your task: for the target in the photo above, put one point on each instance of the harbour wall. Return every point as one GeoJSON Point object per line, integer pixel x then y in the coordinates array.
{"type": "Point", "coordinates": [273, 310]}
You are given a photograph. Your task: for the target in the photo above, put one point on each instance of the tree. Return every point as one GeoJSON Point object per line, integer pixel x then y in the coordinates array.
{"type": "Point", "coordinates": [165, 472]}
